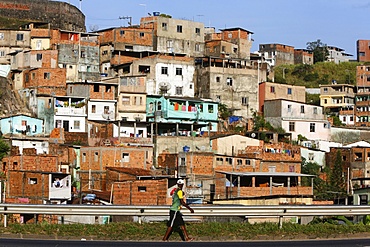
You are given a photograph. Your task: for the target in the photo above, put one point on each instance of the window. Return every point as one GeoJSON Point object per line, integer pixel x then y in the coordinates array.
{"type": "Point", "coordinates": [229, 81]}
{"type": "Point", "coordinates": [33, 76]}
{"type": "Point", "coordinates": [245, 101]}
{"type": "Point", "coordinates": [239, 162]}
{"type": "Point", "coordinates": [362, 54]}
{"type": "Point", "coordinates": [325, 101]}
{"type": "Point", "coordinates": [218, 79]}
{"type": "Point", "coordinates": [219, 160]}
{"type": "Point", "coordinates": [164, 26]}
{"type": "Point", "coordinates": [218, 97]}
{"type": "Point", "coordinates": [1, 36]}
{"type": "Point", "coordinates": [191, 86]}
{"type": "Point", "coordinates": [83, 157]}
{"type": "Point", "coordinates": [315, 110]}
{"type": "Point", "coordinates": [229, 160]}
{"type": "Point", "coordinates": [178, 71]}
{"type": "Point", "coordinates": [83, 54]}
{"type": "Point", "coordinates": [129, 47]}
{"type": "Point", "coordinates": [312, 127]}
{"type": "Point", "coordinates": [47, 75]}
{"type": "Point", "coordinates": [179, 28]}
{"type": "Point", "coordinates": [38, 56]}
{"type": "Point", "coordinates": [96, 88]}
{"type": "Point", "coordinates": [325, 89]}
{"type": "Point", "coordinates": [247, 162]}
{"type": "Point", "coordinates": [179, 90]}
{"type": "Point", "coordinates": [32, 181]}
{"type": "Point", "coordinates": [210, 108]}
{"type": "Point", "coordinates": [122, 32]}
{"type": "Point", "coordinates": [311, 156]}
{"type": "Point", "coordinates": [302, 108]}
{"type": "Point", "coordinates": [289, 91]}
{"type": "Point", "coordinates": [272, 89]}
{"type": "Point", "coordinates": [125, 157]}
{"type": "Point", "coordinates": [19, 36]}
{"type": "Point", "coordinates": [164, 70]}
{"type": "Point", "coordinates": [76, 125]}
{"type": "Point", "coordinates": [125, 100]}
{"type": "Point", "coordinates": [2, 53]}
{"type": "Point", "coordinates": [106, 109]}
{"type": "Point", "coordinates": [26, 77]}
{"type": "Point", "coordinates": [96, 156]}
{"type": "Point", "coordinates": [93, 109]}
{"type": "Point", "coordinates": [138, 100]}
{"type": "Point", "coordinates": [197, 31]}
{"type": "Point", "coordinates": [289, 108]}
{"type": "Point", "coordinates": [107, 88]}
{"type": "Point", "coordinates": [291, 126]}
{"type": "Point", "coordinates": [141, 35]}
{"type": "Point", "coordinates": [197, 47]}
{"type": "Point", "coordinates": [141, 188]}
{"type": "Point", "coordinates": [144, 69]}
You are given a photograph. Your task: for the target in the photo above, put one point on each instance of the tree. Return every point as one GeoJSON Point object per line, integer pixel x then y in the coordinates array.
{"type": "Point", "coordinates": [336, 180]}
{"type": "Point", "coordinates": [320, 187]}
{"type": "Point", "coordinates": [223, 111]}
{"type": "Point", "coordinates": [320, 50]}
{"type": "Point", "coordinates": [4, 148]}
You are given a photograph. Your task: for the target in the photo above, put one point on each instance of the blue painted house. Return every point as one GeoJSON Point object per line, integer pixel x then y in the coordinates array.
{"type": "Point", "coordinates": [22, 125]}
{"type": "Point", "coordinates": [185, 113]}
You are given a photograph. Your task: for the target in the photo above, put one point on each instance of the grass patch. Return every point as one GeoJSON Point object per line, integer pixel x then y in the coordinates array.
{"type": "Point", "coordinates": [203, 231]}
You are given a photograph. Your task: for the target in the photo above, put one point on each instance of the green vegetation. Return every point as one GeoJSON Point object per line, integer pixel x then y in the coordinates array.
{"type": "Point", "coordinates": [12, 23]}
{"type": "Point", "coordinates": [4, 148]}
{"type": "Point", "coordinates": [320, 50]}
{"type": "Point", "coordinates": [321, 73]}
{"type": "Point", "coordinates": [231, 231]}
{"type": "Point", "coordinates": [223, 111]}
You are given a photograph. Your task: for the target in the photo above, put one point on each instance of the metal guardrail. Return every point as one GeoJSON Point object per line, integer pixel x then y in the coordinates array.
{"type": "Point", "coordinates": [214, 210]}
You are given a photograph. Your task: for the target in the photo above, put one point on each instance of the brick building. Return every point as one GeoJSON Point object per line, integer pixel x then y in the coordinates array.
{"type": "Point", "coordinates": [136, 186]}
{"type": "Point", "coordinates": [363, 50]}
{"type": "Point", "coordinates": [93, 162]}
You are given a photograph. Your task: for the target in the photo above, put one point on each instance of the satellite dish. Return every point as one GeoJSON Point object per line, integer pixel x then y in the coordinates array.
{"type": "Point", "coordinates": [138, 117]}
{"type": "Point", "coordinates": [108, 116]}
{"type": "Point", "coordinates": [164, 86]}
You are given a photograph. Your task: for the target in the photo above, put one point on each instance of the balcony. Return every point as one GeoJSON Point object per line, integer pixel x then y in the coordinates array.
{"type": "Point", "coordinates": [69, 111]}
{"type": "Point", "coordinates": [267, 191]}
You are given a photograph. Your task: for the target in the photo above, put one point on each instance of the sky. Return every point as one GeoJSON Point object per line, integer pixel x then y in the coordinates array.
{"type": "Point", "coordinates": [338, 23]}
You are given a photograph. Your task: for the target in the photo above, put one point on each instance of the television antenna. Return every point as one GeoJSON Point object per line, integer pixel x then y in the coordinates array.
{"type": "Point", "coordinates": [125, 18]}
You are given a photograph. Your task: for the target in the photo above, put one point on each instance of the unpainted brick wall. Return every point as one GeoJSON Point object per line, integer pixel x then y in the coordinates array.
{"type": "Point", "coordinates": [140, 192]}
{"type": "Point", "coordinates": [20, 186]}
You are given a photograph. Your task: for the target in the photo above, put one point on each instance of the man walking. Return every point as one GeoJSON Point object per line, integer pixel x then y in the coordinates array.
{"type": "Point", "coordinates": [176, 219]}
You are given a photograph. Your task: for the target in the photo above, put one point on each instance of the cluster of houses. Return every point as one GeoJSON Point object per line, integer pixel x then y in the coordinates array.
{"type": "Point", "coordinates": [122, 113]}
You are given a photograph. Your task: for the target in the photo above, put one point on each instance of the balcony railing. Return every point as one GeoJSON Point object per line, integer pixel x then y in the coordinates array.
{"type": "Point", "coordinates": [70, 111]}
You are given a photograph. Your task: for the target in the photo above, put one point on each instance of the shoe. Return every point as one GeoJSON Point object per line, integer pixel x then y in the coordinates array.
{"type": "Point", "coordinates": [190, 239]}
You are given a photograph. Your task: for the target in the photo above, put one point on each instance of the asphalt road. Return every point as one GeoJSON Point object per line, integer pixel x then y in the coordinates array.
{"type": "Point", "coordinates": [67, 243]}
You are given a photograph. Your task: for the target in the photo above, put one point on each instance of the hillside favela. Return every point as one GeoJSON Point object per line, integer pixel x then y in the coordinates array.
{"type": "Point", "coordinates": [117, 116]}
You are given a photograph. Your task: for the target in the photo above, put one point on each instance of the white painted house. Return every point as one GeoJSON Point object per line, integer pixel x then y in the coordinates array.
{"type": "Point", "coordinates": [298, 119]}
